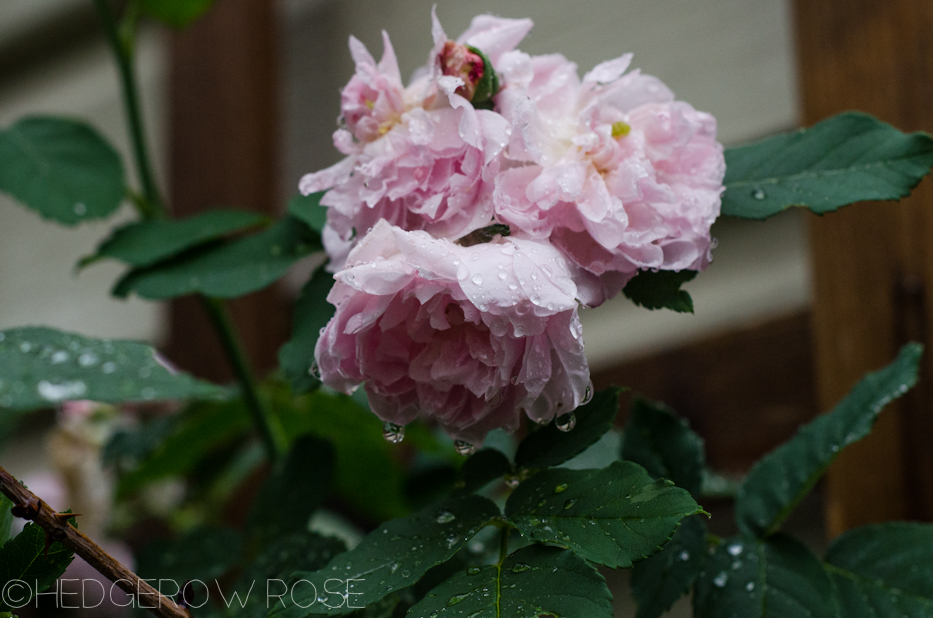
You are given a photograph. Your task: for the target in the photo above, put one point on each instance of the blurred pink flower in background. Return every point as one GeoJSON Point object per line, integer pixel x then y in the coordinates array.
{"type": "Point", "coordinates": [469, 336]}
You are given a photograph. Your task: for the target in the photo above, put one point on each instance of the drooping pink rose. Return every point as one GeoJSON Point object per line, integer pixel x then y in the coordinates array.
{"type": "Point", "coordinates": [420, 157]}
{"type": "Point", "coordinates": [615, 172]}
{"type": "Point", "coordinates": [469, 336]}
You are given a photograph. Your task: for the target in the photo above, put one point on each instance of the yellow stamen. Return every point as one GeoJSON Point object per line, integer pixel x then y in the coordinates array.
{"type": "Point", "coordinates": [620, 129]}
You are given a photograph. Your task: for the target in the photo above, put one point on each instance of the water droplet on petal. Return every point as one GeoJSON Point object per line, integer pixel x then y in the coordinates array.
{"type": "Point", "coordinates": [477, 279]}
{"type": "Point", "coordinates": [566, 422]}
{"type": "Point", "coordinates": [587, 395]}
{"type": "Point", "coordinates": [393, 433]}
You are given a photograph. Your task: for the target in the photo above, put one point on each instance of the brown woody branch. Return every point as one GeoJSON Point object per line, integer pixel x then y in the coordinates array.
{"type": "Point", "coordinates": [30, 506]}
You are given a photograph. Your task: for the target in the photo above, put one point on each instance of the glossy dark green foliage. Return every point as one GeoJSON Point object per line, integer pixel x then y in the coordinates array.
{"type": "Point", "coordinates": [42, 367]}
{"type": "Point", "coordinates": [129, 446]}
{"type": "Point", "coordinates": [145, 243]}
{"type": "Point", "coordinates": [176, 13]}
{"type": "Point", "coordinates": [308, 208]}
{"type": "Point", "coordinates": [24, 558]}
{"type": "Point", "coordinates": [6, 518]}
{"type": "Point", "coordinates": [482, 468]}
{"type": "Point", "coordinates": [779, 481]}
{"type": "Point", "coordinates": [614, 516]}
{"type": "Point", "coordinates": [202, 429]}
{"type": "Point", "coordinates": [660, 580]}
{"type": "Point", "coordinates": [849, 158]}
{"type": "Point", "coordinates": [312, 312]}
{"type": "Point", "coordinates": [295, 489]}
{"type": "Point", "coordinates": [203, 553]}
{"type": "Point", "coordinates": [661, 290]}
{"type": "Point", "coordinates": [394, 556]}
{"type": "Point", "coordinates": [61, 168]}
{"type": "Point", "coordinates": [549, 446]}
{"type": "Point", "coordinates": [775, 578]}
{"type": "Point", "coordinates": [883, 570]}
{"type": "Point", "coordinates": [228, 269]}
{"type": "Point", "coordinates": [273, 570]}
{"type": "Point", "coordinates": [362, 453]}
{"type": "Point", "coordinates": [664, 445]}
{"type": "Point", "coordinates": [533, 581]}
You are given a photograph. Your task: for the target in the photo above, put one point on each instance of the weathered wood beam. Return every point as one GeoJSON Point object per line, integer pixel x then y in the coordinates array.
{"type": "Point", "coordinates": [873, 263]}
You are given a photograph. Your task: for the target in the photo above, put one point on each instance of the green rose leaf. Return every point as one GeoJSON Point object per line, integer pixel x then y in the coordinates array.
{"type": "Point", "coordinates": [660, 290]}
{"type": "Point", "coordinates": [146, 242]}
{"type": "Point", "coordinates": [776, 578]}
{"type": "Point", "coordinates": [176, 13]}
{"type": "Point", "coordinates": [394, 556]}
{"type": "Point", "coordinates": [659, 581]}
{"type": "Point", "coordinates": [482, 468]}
{"type": "Point", "coordinates": [42, 367]}
{"type": "Point", "coordinates": [549, 446]}
{"type": "Point", "coordinates": [312, 312]}
{"type": "Point", "coordinates": [849, 158]}
{"type": "Point", "coordinates": [204, 553]}
{"type": "Point", "coordinates": [129, 446]}
{"type": "Point", "coordinates": [227, 270]}
{"type": "Point", "coordinates": [202, 428]}
{"type": "Point", "coordinates": [6, 518]}
{"type": "Point", "coordinates": [23, 558]}
{"type": "Point", "coordinates": [273, 571]}
{"type": "Point", "coordinates": [61, 168]}
{"type": "Point", "coordinates": [664, 445]}
{"type": "Point", "coordinates": [779, 481]}
{"type": "Point", "coordinates": [294, 490]}
{"type": "Point", "coordinates": [533, 581]}
{"type": "Point", "coordinates": [614, 516]}
{"type": "Point", "coordinates": [308, 208]}
{"type": "Point", "coordinates": [883, 570]}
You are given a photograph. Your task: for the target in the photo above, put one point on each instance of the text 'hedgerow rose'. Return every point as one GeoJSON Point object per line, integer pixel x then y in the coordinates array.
{"type": "Point", "coordinates": [468, 336]}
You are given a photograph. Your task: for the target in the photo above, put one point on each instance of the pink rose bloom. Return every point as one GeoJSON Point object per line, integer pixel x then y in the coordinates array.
{"type": "Point", "coordinates": [420, 157]}
{"type": "Point", "coordinates": [612, 169]}
{"type": "Point", "coordinates": [469, 336]}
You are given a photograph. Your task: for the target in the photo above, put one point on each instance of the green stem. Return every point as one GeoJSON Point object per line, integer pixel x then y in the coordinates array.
{"type": "Point", "coordinates": [217, 312]}
{"type": "Point", "coordinates": [152, 207]}
{"type": "Point", "coordinates": [504, 532]}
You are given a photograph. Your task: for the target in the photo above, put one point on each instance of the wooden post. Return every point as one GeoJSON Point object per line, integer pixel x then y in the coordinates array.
{"type": "Point", "coordinates": [873, 263]}
{"type": "Point", "coordinates": [224, 151]}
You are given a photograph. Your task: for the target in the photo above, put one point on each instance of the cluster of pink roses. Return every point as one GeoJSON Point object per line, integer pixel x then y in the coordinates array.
{"type": "Point", "coordinates": [595, 179]}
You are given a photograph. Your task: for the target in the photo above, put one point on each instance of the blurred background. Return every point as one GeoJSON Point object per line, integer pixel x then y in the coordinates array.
{"type": "Point", "coordinates": [789, 315]}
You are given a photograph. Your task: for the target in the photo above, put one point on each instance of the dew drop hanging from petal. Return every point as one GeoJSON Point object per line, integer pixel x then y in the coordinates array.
{"type": "Point", "coordinates": [566, 422]}
{"type": "Point", "coordinates": [393, 433]}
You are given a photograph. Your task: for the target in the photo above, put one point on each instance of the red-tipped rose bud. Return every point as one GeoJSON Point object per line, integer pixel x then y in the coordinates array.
{"type": "Point", "coordinates": [471, 65]}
